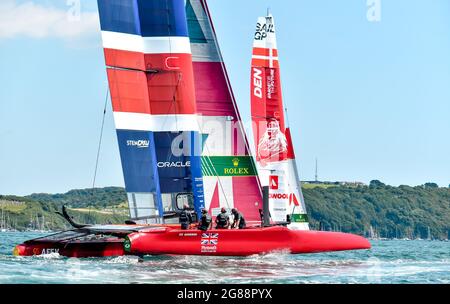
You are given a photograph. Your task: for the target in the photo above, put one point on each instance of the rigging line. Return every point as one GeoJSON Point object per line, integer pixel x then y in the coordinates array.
{"type": "Point", "coordinates": [239, 120]}
{"type": "Point", "coordinates": [99, 146]}
{"type": "Point", "coordinates": [100, 139]}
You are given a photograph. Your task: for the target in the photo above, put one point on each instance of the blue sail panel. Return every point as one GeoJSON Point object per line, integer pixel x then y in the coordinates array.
{"type": "Point", "coordinates": [119, 16]}
{"type": "Point", "coordinates": [179, 164]}
{"type": "Point", "coordinates": [146, 18]}
{"type": "Point", "coordinates": [138, 160]}
{"type": "Point", "coordinates": [172, 162]}
{"type": "Point", "coordinates": [138, 156]}
{"type": "Point", "coordinates": [163, 18]}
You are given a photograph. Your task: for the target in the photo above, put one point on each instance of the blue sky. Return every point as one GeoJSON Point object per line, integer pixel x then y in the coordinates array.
{"type": "Point", "coordinates": [370, 100]}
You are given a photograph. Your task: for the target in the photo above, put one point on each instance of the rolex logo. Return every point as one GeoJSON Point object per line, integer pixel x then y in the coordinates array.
{"type": "Point", "coordinates": [237, 169]}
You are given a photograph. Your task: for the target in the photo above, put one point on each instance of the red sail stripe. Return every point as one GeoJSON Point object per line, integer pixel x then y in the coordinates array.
{"type": "Point", "coordinates": [129, 92]}
{"type": "Point", "coordinates": [215, 198]}
{"type": "Point", "coordinates": [265, 63]}
{"type": "Point", "coordinates": [246, 195]}
{"type": "Point", "coordinates": [165, 92]}
{"type": "Point", "coordinates": [264, 52]}
{"type": "Point", "coordinates": [291, 154]}
{"type": "Point", "coordinates": [213, 96]}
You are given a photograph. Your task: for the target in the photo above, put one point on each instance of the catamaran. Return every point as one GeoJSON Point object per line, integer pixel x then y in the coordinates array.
{"type": "Point", "coordinates": [182, 141]}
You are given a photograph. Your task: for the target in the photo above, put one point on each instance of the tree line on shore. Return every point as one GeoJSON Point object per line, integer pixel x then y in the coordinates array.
{"type": "Point", "coordinates": [376, 210]}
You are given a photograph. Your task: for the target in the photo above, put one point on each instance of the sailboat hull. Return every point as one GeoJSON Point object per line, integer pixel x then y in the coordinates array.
{"type": "Point", "coordinates": [76, 249]}
{"type": "Point", "coordinates": [169, 240]}
{"type": "Point", "coordinates": [240, 242]}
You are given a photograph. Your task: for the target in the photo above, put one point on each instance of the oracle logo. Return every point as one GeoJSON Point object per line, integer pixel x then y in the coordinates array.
{"type": "Point", "coordinates": [178, 164]}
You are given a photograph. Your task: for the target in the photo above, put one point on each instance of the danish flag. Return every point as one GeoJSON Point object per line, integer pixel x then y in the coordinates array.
{"type": "Point", "coordinates": [210, 238]}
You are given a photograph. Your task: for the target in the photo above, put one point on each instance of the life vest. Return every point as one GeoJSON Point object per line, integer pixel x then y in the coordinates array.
{"type": "Point", "coordinates": [238, 216]}
{"type": "Point", "coordinates": [205, 222]}
{"type": "Point", "coordinates": [185, 218]}
{"type": "Point", "coordinates": [222, 220]}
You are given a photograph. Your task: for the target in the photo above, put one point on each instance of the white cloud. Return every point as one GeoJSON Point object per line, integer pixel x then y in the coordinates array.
{"type": "Point", "coordinates": [38, 21]}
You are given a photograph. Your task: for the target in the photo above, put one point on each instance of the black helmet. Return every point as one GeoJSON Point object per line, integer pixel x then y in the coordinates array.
{"type": "Point", "coordinates": [234, 210]}
{"type": "Point", "coordinates": [204, 210]}
{"type": "Point", "coordinates": [223, 210]}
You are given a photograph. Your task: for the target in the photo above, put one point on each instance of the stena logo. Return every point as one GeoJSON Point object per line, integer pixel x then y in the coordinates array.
{"type": "Point", "coordinates": [138, 143]}
{"type": "Point", "coordinates": [174, 164]}
{"type": "Point", "coordinates": [257, 82]}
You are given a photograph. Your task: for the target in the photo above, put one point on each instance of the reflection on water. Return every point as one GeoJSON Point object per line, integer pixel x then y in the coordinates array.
{"type": "Point", "coordinates": [387, 262]}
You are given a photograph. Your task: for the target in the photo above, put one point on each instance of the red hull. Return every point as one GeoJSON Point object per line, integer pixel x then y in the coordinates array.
{"type": "Point", "coordinates": [240, 242]}
{"type": "Point", "coordinates": [81, 249]}
{"type": "Point", "coordinates": [169, 240]}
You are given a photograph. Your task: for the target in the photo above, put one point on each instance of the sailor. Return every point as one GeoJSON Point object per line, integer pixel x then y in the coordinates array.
{"type": "Point", "coordinates": [222, 219]}
{"type": "Point", "coordinates": [205, 221]}
{"type": "Point", "coordinates": [185, 217]}
{"type": "Point", "coordinates": [239, 220]}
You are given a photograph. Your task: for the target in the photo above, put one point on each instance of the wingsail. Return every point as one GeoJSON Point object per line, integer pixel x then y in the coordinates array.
{"type": "Point", "coordinates": [230, 174]}
{"type": "Point", "coordinates": [149, 64]}
{"type": "Point", "coordinates": [273, 144]}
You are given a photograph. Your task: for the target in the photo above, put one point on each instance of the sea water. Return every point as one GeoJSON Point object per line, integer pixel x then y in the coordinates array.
{"type": "Point", "coordinates": [389, 261]}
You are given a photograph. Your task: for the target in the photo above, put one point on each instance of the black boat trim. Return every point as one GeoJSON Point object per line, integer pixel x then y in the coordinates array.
{"type": "Point", "coordinates": [69, 219]}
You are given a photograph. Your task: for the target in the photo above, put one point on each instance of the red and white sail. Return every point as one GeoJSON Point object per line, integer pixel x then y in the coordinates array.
{"type": "Point", "coordinates": [274, 151]}
{"type": "Point", "coordinates": [229, 172]}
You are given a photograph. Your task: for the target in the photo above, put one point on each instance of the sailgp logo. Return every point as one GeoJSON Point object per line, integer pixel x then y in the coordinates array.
{"type": "Point", "coordinates": [262, 30]}
{"type": "Point", "coordinates": [138, 143]}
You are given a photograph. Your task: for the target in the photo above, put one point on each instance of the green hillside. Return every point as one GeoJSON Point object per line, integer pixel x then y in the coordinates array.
{"type": "Point", "coordinates": [391, 211]}
{"type": "Point", "coordinates": [400, 212]}
{"type": "Point", "coordinates": [84, 198]}
{"type": "Point", "coordinates": [38, 211]}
